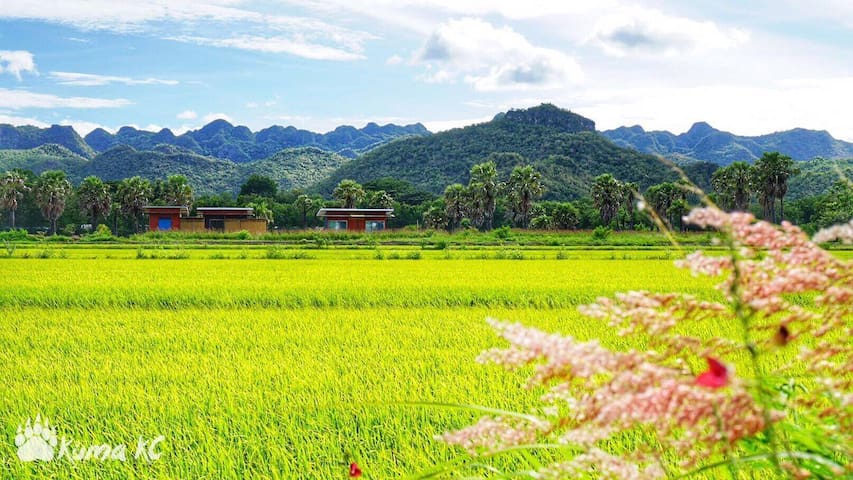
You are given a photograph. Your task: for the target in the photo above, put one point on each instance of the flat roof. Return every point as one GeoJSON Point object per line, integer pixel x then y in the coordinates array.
{"type": "Point", "coordinates": [174, 208]}
{"type": "Point", "coordinates": [222, 209]}
{"type": "Point", "coordinates": [353, 212]}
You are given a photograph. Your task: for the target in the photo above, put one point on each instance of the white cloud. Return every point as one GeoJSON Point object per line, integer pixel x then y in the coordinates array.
{"type": "Point", "coordinates": [491, 58]}
{"type": "Point", "coordinates": [218, 23]}
{"type": "Point", "coordinates": [442, 125]}
{"type": "Point", "coordinates": [814, 103]}
{"type": "Point", "coordinates": [275, 44]}
{"type": "Point", "coordinates": [187, 115]}
{"type": "Point", "coordinates": [641, 30]}
{"type": "Point", "coordinates": [94, 80]}
{"type": "Point", "coordinates": [18, 99]}
{"type": "Point", "coordinates": [83, 127]}
{"type": "Point", "coordinates": [16, 120]}
{"type": "Point", "coordinates": [394, 60]}
{"type": "Point", "coordinates": [215, 116]}
{"type": "Point", "coordinates": [17, 62]}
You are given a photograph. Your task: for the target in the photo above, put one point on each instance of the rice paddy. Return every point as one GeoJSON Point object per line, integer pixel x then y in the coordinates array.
{"type": "Point", "coordinates": [256, 366]}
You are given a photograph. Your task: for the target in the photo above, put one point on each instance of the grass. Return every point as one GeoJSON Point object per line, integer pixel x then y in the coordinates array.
{"type": "Point", "coordinates": [282, 367]}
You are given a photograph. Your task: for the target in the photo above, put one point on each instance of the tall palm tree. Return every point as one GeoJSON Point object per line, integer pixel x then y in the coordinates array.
{"type": "Point", "coordinates": [661, 198]}
{"type": "Point", "coordinates": [770, 178]}
{"type": "Point", "coordinates": [133, 194]}
{"type": "Point", "coordinates": [350, 192]}
{"type": "Point", "coordinates": [607, 193]}
{"type": "Point", "coordinates": [52, 189]}
{"type": "Point", "coordinates": [454, 205]}
{"type": "Point", "coordinates": [524, 186]}
{"type": "Point", "coordinates": [629, 193]}
{"type": "Point", "coordinates": [12, 188]}
{"type": "Point", "coordinates": [483, 187]}
{"type": "Point", "coordinates": [94, 198]}
{"type": "Point", "coordinates": [733, 184]}
{"type": "Point", "coordinates": [303, 204]}
{"type": "Point", "coordinates": [177, 191]}
{"type": "Point", "coordinates": [262, 210]}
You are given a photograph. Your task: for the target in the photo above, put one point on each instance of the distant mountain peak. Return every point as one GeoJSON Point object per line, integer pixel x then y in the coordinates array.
{"type": "Point", "coordinates": [550, 115]}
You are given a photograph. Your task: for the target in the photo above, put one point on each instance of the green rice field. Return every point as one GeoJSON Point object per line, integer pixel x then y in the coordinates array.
{"type": "Point", "coordinates": [257, 362]}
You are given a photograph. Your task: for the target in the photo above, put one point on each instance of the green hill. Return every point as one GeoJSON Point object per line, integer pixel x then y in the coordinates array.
{"type": "Point", "coordinates": [45, 157]}
{"type": "Point", "coordinates": [27, 137]}
{"type": "Point", "coordinates": [294, 167]}
{"type": "Point", "coordinates": [562, 145]}
{"type": "Point", "coordinates": [817, 176]}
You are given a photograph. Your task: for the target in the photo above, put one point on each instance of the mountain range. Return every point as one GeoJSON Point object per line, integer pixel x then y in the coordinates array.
{"type": "Point", "coordinates": [564, 146]}
{"type": "Point", "coordinates": [704, 142]}
{"type": "Point", "coordinates": [218, 138]}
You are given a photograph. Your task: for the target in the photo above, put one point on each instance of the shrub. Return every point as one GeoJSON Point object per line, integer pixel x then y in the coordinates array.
{"type": "Point", "coordinates": [601, 233]}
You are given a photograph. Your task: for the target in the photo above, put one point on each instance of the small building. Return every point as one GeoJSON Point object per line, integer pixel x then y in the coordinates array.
{"type": "Point", "coordinates": [215, 219]}
{"type": "Point", "coordinates": [356, 219]}
{"type": "Point", "coordinates": [165, 218]}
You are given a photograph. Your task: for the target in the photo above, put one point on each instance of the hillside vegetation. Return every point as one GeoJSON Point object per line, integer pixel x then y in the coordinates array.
{"type": "Point", "coordinates": [562, 145]}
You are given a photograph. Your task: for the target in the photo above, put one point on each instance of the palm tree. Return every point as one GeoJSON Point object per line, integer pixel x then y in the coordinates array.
{"type": "Point", "coordinates": [177, 191]}
{"type": "Point", "coordinates": [524, 186]}
{"type": "Point", "coordinates": [454, 205]}
{"type": "Point", "coordinates": [770, 178]}
{"type": "Point", "coordinates": [12, 188]}
{"type": "Point", "coordinates": [133, 194]}
{"type": "Point", "coordinates": [483, 187]}
{"type": "Point", "coordinates": [733, 185]}
{"type": "Point", "coordinates": [94, 198]}
{"type": "Point", "coordinates": [607, 193]}
{"type": "Point", "coordinates": [303, 204]}
{"type": "Point", "coordinates": [262, 211]}
{"type": "Point", "coordinates": [629, 193]}
{"type": "Point", "coordinates": [52, 190]}
{"type": "Point", "coordinates": [350, 192]}
{"type": "Point", "coordinates": [662, 196]}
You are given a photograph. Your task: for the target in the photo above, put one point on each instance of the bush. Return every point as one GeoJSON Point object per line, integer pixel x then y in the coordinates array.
{"type": "Point", "coordinates": [502, 233]}
{"type": "Point", "coordinates": [601, 233]}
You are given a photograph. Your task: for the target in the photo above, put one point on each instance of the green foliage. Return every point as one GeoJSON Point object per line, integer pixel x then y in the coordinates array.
{"type": "Point", "coordinates": [259, 185]}
{"type": "Point", "coordinates": [349, 192]}
{"type": "Point", "coordinates": [567, 160]}
{"type": "Point", "coordinates": [601, 233]}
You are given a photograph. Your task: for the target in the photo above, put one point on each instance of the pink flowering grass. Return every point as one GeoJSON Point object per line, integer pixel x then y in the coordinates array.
{"type": "Point", "coordinates": [769, 390]}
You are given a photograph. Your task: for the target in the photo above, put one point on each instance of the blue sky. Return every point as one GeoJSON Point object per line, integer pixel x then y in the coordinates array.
{"type": "Point", "coordinates": [747, 67]}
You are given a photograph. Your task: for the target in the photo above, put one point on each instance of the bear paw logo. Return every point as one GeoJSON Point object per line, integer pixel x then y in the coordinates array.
{"type": "Point", "coordinates": [36, 441]}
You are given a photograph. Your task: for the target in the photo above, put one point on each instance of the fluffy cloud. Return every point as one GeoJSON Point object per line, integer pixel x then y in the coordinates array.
{"type": "Point", "coordinates": [18, 99]}
{"type": "Point", "coordinates": [187, 115]}
{"type": "Point", "coordinates": [216, 116]}
{"type": "Point", "coordinates": [638, 30]}
{"type": "Point", "coordinates": [17, 62]}
{"type": "Point", "coordinates": [275, 44]}
{"type": "Point", "coordinates": [491, 58]}
{"type": "Point", "coordinates": [93, 80]}
{"type": "Point", "coordinates": [218, 23]}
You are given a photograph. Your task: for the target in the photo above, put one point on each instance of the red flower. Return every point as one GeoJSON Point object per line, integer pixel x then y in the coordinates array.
{"type": "Point", "coordinates": [716, 376]}
{"type": "Point", "coordinates": [354, 471]}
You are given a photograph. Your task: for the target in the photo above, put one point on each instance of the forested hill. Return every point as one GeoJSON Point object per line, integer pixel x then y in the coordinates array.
{"type": "Point", "coordinates": [562, 145]}
{"type": "Point", "coordinates": [217, 139]}
{"type": "Point", "coordinates": [704, 142]}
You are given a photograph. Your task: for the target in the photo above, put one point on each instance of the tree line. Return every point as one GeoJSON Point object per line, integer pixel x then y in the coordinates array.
{"type": "Point", "coordinates": [485, 202]}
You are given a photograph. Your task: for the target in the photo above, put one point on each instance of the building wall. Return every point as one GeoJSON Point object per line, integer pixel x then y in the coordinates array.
{"type": "Point", "coordinates": [357, 224]}
{"type": "Point", "coordinates": [192, 225]}
{"type": "Point", "coordinates": [154, 220]}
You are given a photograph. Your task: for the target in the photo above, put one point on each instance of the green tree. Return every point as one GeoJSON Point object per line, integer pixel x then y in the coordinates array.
{"type": "Point", "coordinates": [177, 191]}
{"type": "Point", "coordinates": [454, 205]}
{"type": "Point", "coordinates": [770, 178]}
{"type": "Point", "coordinates": [349, 192]}
{"type": "Point", "coordinates": [259, 185]}
{"type": "Point", "coordinates": [133, 194]}
{"type": "Point", "coordinates": [629, 194]}
{"type": "Point", "coordinates": [566, 216]}
{"type": "Point", "coordinates": [261, 210]}
{"type": "Point", "coordinates": [304, 205]}
{"type": "Point", "coordinates": [607, 193]}
{"type": "Point", "coordinates": [12, 188]}
{"type": "Point", "coordinates": [661, 198]}
{"type": "Point", "coordinates": [94, 198]}
{"type": "Point", "coordinates": [379, 199]}
{"type": "Point", "coordinates": [434, 217]}
{"type": "Point", "coordinates": [52, 189]}
{"type": "Point", "coordinates": [733, 185]}
{"type": "Point", "coordinates": [524, 186]}
{"type": "Point", "coordinates": [483, 190]}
